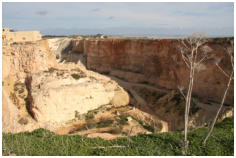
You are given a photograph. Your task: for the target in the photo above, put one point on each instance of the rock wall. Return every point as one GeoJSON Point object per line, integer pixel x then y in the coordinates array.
{"type": "Point", "coordinates": [158, 62]}
{"type": "Point", "coordinates": [24, 59]}
{"type": "Point", "coordinates": [19, 61]}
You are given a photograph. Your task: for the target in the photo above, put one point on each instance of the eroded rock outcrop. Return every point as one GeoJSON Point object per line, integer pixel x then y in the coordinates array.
{"type": "Point", "coordinates": [60, 46]}
{"type": "Point", "coordinates": [153, 61]}
{"type": "Point", "coordinates": [19, 61]}
{"type": "Point", "coordinates": [23, 59]}
{"type": "Point", "coordinates": [68, 49]}
{"type": "Point", "coordinates": [159, 62]}
{"type": "Point", "coordinates": [57, 95]}
{"type": "Point", "coordinates": [13, 119]}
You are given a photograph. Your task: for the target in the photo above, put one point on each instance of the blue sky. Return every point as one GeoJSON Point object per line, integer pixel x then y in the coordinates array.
{"type": "Point", "coordinates": [134, 19]}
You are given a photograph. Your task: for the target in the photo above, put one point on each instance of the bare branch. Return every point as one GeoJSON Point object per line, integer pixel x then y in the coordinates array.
{"type": "Point", "coordinates": [199, 67]}
{"type": "Point", "coordinates": [181, 91]}
{"type": "Point", "coordinates": [201, 60]}
{"type": "Point", "coordinates": [229, 51]}
{"type": "Point", "coordinates": [219, 109]}
{"type": "Point", "coordinates": [232, 62]}
{"type": "Point", "coordinates": [206, 49]}
{"type": "Point", "coordinates": [128, 137]}
{"type": "Point", "coordinates": [184, 44]}
{"type": "Point", "coordinates": [222, 70]}
{"type": "Point", "coordinates": [195, 56]}
{"type": "Point", "coordinates": [189, 54]}
{"type": "Point", "coordinates": [186, 60]}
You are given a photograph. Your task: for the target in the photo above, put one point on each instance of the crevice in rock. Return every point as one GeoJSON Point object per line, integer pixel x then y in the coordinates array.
{"type": "Point", "coordinates": [29, 102]}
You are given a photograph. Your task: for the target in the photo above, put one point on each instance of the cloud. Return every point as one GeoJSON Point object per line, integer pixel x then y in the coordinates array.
{"type": "Point", "coordinates": [96, 10]}
{"type": "Point", "coordinates": [138, 15]}
{"type": "Point", "coordinates": [110, 17]}
{"type": "Point", "coordinates": [42, 12]}
{"type": "Point", "coordinates": [183, 13]}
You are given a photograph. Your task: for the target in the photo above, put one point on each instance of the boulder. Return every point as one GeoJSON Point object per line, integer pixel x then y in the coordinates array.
{"type": "Point", "coordinates": [57, 95]}
{"type": "Point", "coordinates": [121, 98]}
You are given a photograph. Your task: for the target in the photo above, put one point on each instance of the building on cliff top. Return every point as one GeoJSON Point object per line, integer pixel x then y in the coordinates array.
{"type": "Point", "coordinates": [20, 36]}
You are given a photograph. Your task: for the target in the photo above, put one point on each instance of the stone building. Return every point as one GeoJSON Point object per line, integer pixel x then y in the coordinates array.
{"type": "Point", "coordinates": [20, 36]}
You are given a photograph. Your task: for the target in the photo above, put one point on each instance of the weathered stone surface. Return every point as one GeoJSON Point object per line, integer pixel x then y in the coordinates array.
{"type": "Point", "coordinates": [60, 94]}
{"type": "Point", "coordinates": [57, 95]}
{"type": "Point", "coordinates": [59, 46]}
{"type": "Point", "coordinates": [23, 59]}
{"type": "Point", "coordinates": [160, 63]}
{"type": "Point", "coordinates": [13, 120]}
{"type": "Point", "coordinates": [121, 98]}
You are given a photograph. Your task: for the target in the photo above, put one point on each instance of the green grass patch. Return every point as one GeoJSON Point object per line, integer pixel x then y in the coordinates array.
{"type": "Point", "coordinates": [42, 142]}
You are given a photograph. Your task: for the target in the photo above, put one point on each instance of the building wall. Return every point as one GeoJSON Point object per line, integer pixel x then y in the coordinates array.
{"type": "Point", "coordinates": [22, 36]}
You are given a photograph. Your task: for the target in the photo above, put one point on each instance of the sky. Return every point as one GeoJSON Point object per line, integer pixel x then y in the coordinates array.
{"type": "Point", "coordinates": [170, 19]}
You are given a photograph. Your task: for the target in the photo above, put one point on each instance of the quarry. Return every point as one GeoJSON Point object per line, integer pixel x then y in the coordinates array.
{"type": "Point", "coordinates": [106, 87]}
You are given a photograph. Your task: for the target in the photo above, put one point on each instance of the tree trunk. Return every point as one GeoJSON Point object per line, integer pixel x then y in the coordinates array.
{"type": "Point", "coordinates": [221, 105]}
{"type": "Point", "coordinates": [187, 107]}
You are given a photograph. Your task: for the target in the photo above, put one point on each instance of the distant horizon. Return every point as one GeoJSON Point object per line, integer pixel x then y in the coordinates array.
{"type": "Point", "coordinates": [92, 33]}
{"type": "Point", "coordinates": [215, 19]}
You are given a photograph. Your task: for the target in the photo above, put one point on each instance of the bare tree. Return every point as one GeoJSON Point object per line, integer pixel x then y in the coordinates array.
{"type": "Point", "coordinates": [190, 48]}
{"type": "Point", "coordinates": [229, 51]}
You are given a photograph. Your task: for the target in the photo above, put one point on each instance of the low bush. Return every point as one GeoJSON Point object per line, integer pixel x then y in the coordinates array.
{"type": "Point", "coordinates": [75, 76]}
{"type": "Point", "coordinates": [103, 122]}
{"type": "Point", "coordinates": [91, 124]}
{"type": "Point", "coordinates": [78, 76]}
{"type": "Point", "coordinates": [89, 116]}
{"type": "Point", "coordinates": [116, 130]}
{"type": "Point", "coordinates": [123, 120]}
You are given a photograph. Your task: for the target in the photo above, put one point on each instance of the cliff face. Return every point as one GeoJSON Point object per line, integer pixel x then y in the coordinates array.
{"type": "Point", "coordinates": [24, 59]}
{"type": "Point", "coordinates": [158, 62]}
{"type": "Point", "coordinates": [20, 61]}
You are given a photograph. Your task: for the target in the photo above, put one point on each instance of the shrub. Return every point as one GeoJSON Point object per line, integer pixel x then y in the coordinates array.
{"type": "Point", "coordinates": [116, 130]}
{"type": "Point", "coordinates": [89, 116]}
{"type": "Point", "coordinates": [23, 121]}
{"type": "Point", "coordinates": [104, 123]}
{"type": "Point", "coordinates": [123, 120]}
{"type": "Point", "coordinates": [75, 76]}
{"type": "Point", "coordinates": [91, 124]}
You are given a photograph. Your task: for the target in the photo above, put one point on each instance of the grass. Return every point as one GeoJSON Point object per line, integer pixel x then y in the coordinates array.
{"type": "Point", "coordinates": [42, 142]}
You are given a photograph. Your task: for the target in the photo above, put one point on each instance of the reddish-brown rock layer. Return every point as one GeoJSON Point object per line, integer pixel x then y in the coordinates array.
{"type": "Point", "coordinates": [158, 62]}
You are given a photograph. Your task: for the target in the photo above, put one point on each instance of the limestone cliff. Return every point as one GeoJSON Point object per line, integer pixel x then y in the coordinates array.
{"type": "Point", "coordinates": [158, 62]}
{"type": "Point", "coordinates": [24, 59]}
{"type": "Point", "coordinates": [50, 81]}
